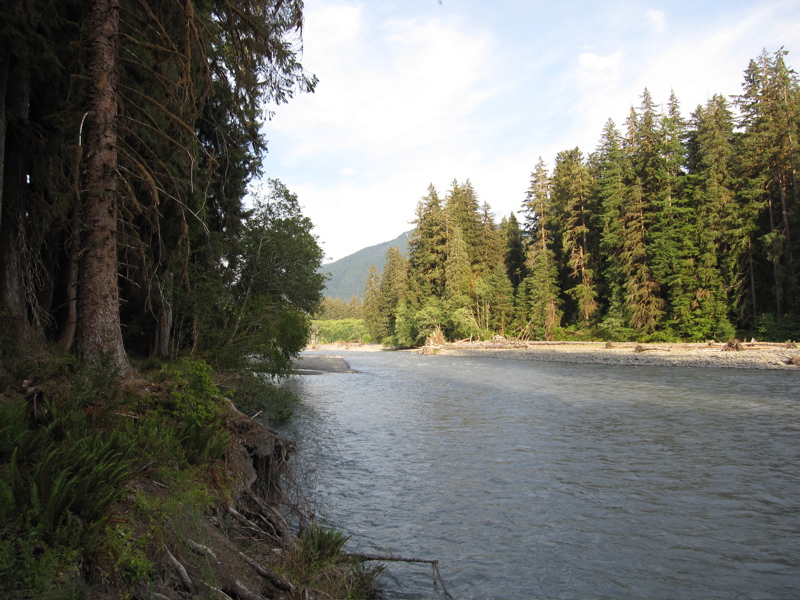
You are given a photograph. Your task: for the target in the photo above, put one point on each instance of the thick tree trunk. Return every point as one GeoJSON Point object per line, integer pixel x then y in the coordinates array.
{"type": "Point", "coordinates": [4, 66]}
{"type": "Point", "coordinates": [67, 334]}
{"type": "Point", "coordinates": [98, 331]}
{"type": "Point", "coordinates": [13, 294]}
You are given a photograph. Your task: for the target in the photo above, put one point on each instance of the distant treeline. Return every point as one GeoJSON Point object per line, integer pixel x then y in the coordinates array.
{"type": "Point", "coordinates": [674, 228]}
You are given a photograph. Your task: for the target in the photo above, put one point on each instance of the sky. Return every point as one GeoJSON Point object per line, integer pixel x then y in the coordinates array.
{"type": "Point", "coordinates": [420, 92]}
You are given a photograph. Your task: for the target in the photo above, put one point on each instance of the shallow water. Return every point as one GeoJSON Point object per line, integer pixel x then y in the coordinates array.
{"type": "Point", "coordinates": [532, 480]}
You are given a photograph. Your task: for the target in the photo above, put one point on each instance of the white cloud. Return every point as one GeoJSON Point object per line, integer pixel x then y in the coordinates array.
{"type": "Point", "coordinates": [398, 91]}
{"type": "Point", "coordinates": [594, 69]}
{"type": "Point", "coordinates": [405, 100]}
{"type": "Point", "coordinates": [658, 19]}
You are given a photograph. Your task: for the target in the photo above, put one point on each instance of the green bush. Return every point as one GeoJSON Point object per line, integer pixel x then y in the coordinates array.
{"type": "Point", "coordinates": [254, 393]}
{"type": "Point", "coordinates": [192, 391]}
{"type": "Point", "coordinates": [770, 328]}
{"type": "Point", "coordinates": [342, 330]}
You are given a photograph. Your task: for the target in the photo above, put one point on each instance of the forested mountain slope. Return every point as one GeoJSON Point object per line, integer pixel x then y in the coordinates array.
{"type": "Point", "coordinates": [348, 275]}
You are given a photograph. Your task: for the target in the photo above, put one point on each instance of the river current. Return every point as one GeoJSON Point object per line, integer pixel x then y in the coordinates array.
{"type": "Point", "coordinates": [554, 480]}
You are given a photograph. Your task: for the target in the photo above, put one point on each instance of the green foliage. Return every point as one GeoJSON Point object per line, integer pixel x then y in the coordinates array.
{"type": "Point", "coordinates": [126, 552]}
{"type": "Point", "coordinates": [415, 326]}
{"type": "Point", "coordinates": [192, 391]}
{"type": "Point", "coordinates": [81, 478]}
{"type": "Point", "coordinates": [31, 569]}
{"type": "Point", "coordinates": [770, 328]}
{"type": "Point", "coordinates": [178, 514]}
{"type": "Point", "coordinates": [334, 309]}
{"type": "Point", "coordinates": [321, 547]}
{"type": "Point", "coordinates": [319, 561]}
{"type": "Point", "coordinates": [342, 330]}
{"type": "Point", "coordinates": [255, 393]}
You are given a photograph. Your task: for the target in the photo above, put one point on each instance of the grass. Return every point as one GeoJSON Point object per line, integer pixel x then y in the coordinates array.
{"type": "Point", "coordinates": [99, 476]}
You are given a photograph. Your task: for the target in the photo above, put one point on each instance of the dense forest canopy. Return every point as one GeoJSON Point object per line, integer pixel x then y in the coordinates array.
{"type": "Point", "coordinates": [673, 228]}
{"type": "Point", "coordinates": [129, 133]}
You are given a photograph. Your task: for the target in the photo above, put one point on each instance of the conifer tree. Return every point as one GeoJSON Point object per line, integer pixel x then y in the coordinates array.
{"type": "Point", "coordinates": [571, 187]}
{"type": "Point", "coordinates": [458, 272]}
{"type": "Point", "coordinates": [391, 292]}
{"type": "Point", "coordinates": [610, 188]}
{"type": "Point", "coordinates": [463, 211]}
{"type": "Point", "coordinates": [643, 305]}
{"type": "Point", "coordinates": [514, 249]}
{"type": "Point", "coordinates": [538, 298]}
{"type": "Point", "coordinates": [427, 251]}
{"type": "Point", "coordinates": [719, 236]}
{"type": "Point", "coordinates": [372, 304]}
{"type": "Point", "coordinates": [672, 240]}
{"type": "Point", "coordinates": [642, 146]}
{"type": "Point", "coordinates": [770, 116]}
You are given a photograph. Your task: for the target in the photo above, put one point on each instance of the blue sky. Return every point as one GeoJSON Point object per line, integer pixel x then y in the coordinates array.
{"type": "Point", "coordinates": [414, 92]}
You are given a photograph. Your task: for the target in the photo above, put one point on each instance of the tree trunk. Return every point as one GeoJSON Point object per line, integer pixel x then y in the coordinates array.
{"type": "Point", "coordinates": [4, 66]}
{"type": "Point", "coordinates": [163, 328]}
{"type": "Point", "coordinates": [98, 330]}
{"type": "Point", "coordinates": [13, 294]}
{"type": "Point", "coordinates": [67, 333]}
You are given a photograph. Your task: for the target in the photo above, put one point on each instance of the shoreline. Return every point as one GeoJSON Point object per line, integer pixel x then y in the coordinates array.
{"type": "Point", "coordinates": [750, 355]}
{"type": "Point", "coordinates": [755, 355]}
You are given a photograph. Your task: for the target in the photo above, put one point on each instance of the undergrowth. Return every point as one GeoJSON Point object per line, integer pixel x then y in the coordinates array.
{"type": "Point", "coordinates": [101, 476]}
{"type": "Point", "coordinates": [319, 561]}
{"type": "Point", "coordinates": [256, 395]}
{"type": "Point", "coordinates": [71, 444]}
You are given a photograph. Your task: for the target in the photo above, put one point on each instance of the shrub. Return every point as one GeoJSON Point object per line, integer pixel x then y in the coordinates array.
{"type": "Point", "coordinates": [192, 391]}
{"type": "Point", "coordinates": [254, 393]}
{"type": "Point", "coordinates": [342, 330]}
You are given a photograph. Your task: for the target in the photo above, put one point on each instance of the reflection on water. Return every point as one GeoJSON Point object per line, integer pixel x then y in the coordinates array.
{"type": "Point", "coordinates": [554, 480]}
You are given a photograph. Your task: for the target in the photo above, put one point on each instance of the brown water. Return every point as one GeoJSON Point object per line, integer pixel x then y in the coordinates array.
{"type": "Point", "coordinates": [549, 480]}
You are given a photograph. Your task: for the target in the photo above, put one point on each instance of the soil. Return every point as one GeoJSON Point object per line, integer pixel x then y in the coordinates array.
{"type": "Point", "coordinates": [236, 543]}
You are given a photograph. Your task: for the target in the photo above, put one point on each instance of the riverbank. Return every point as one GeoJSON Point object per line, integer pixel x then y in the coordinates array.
{"type": "Point", "coordinates": [157, 486]}
{"type": "Point", "coordinates": [745, 355]}
{"type": "Point", "coordinates": [751, 355]}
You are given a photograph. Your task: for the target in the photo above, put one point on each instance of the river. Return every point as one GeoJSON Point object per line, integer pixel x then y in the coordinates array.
{"type": "Point", "coordinates": [554, 480]}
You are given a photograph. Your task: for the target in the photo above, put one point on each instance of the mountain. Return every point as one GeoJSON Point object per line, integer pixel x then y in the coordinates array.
{"type": "Point", "coordinates": [348, 275]}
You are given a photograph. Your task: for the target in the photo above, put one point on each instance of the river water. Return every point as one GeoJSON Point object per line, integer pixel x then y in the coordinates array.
{"type": "Point", "coordinates": [554, 480]}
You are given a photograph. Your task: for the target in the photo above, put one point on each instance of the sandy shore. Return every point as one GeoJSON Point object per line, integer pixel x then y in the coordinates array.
{"type": "Point", "coordinates": [750, 356]}
{"type": "Point", "coordinates": [753, 355]}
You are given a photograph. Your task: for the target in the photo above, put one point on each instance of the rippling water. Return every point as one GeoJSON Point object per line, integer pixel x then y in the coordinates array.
{"type": "Point", "coordinates": [534, 480]}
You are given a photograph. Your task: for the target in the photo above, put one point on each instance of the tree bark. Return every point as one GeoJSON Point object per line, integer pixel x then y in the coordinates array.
{"type": "Point", "coordinates": [98, 330]}
{"type": "Point", "coordinates": [13, 293]}
{"type": "Point", "coordinates": [4, 66]}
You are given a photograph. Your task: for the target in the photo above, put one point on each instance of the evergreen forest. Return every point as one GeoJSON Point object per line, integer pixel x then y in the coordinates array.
{"type": "Point", "coordinates": [674, 228]}
{"type": "Point", "coordinates": [130, 133]}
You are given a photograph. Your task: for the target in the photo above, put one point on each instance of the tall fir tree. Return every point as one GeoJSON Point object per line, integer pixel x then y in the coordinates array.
{"type": "Point", "coordinates": [642, 146]}
{"type": "Point", "coordinates": [427, 251]}
{"type": "Point", "coordinates": [538, 299]}
{"type": "Point", "coordinates": [719, 235]}
{"type": "Point", "coordinates": [372, 304]}
{"type": "Point", "coordinates": [770, 115]}
{"type": "Point", "coordinates": [514, 249]}
{"type": "Point", "coordinates": [391, 291]}
{"type": "Point", "coordinates": [611, 169]}
{"type": "Point", "coordinates": [571, 191]}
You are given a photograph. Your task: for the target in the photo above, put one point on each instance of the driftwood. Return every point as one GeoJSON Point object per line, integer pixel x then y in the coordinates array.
{"type": "Point", "coordinates": [437, 576]}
